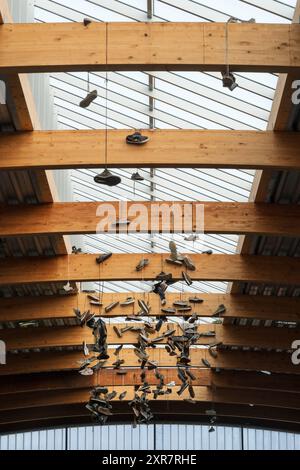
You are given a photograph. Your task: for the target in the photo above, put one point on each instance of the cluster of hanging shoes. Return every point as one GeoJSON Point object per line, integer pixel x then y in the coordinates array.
{"type": "Point", "coordinates": [177, 345]}
{"type": "Point", "coordinates": [106, 177]}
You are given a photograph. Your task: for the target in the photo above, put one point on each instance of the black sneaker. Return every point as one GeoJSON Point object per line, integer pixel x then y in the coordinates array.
{"type": "Point", "coordinates": [90, 97]}
{"type": "Point", "coordinates": [136, 139]}
{"type": "Point", "coordinates": [137, 177]}
{"type": "Point", "coordinates": [107, 178]}
{"type": "Point", "coordinates": [220, 311]}
{"type": "Point", "coordinates": [103, 258]}
{"type": "Point", "coordinates": [229, 81]}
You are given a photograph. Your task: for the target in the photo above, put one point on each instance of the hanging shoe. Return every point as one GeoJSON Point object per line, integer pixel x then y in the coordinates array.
{"type": "Point", "coordinates": [137, 139]}
{"type": "Point", "coordinates": [85, 348]}
{"type": "Point", "coordinates": [206, 363]}
{"type": "Point", "coordinates": [189, 264]}
{"type": "Point", "coordinates": [183, 387]}
{"type": "Point", "coordinates": [207, 252]}
{"type": "Point", "coordinates": [107, 178]}
{"type": "Point", "coordinates": [190, 374]}
{"type": "Point", "coordinates": [191, 391]}
{"type": "Point", "coordinates": [191, 238]}
{"type": "Point", "coordinates": [162, 276]}
{"type": "Point", "coordinates": [220, 311]}
{"type": "Point", "coordinates": [229, 81]}
{"type": "Point", "coordinates": [137, 177]}
{"type": "Point", "coordinates": [111, 306]}
{"type": "Point", "coordinates": [180, 303]}
{"type": "Point", "coordinates": [118, 349]}
{"type": "Point", "coordinates": [173, 250]}
{"type": "Point", "coordinates": [187, 278]}
{"type": "Point", "coordinates": [122, 395]}
{"type": "Point", "coordinates": [90, 97]}
{"type": "Point", "coordinates": [87, 21]}
{"type": "Point", "coordinates": [142, 264]}
{"type": "Point", "coordinates": [184, 309]}
{"type": "Point", "coordinates": [213, 352]}
{"type": "Point", "coordinates": [128, 301]}
{"type": "Point", "coordinates": [103, 258]}
{"type": "Point", "coordinates": [176, 262]}
{"type": "Point", "coordinates": [168, 311]}
{"type": "Point", "coordinates": [145, 307]}
{"type": "Point", "coordinates": [196, 300]}
{"type": "Point", "coordinates": [117, 331]}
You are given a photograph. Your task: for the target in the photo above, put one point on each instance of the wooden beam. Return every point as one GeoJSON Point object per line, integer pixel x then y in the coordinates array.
{"type": "Point", "coordinates": [281, 270]}
{"type": "Point", "coordinates": [29, 363]}
{"type": "Point", "coordinates": [61, 47]}
{"type": "Point", "coordinates": [228, 335]}
{"type": "Point", "coordinates": [251, 380]}
{"type": "Point", "coordinates": [237, 306]}
{"type": "Point", "coordinates": [201, 148]}
{"type": "Point", "coordinates": [71, 380]}
{"type": "Point", "coordinates": [202, 395]}
{"type": "Point", "coordinates": [88, 217]}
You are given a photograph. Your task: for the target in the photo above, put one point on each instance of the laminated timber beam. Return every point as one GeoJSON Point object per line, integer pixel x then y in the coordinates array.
{"type": "Point", "coordinates": [62, 47]}
{"type": "Point", "coordinates": [43, 417]}
{"type": "Point", "coordinates": [71, 380]}
{"type": "Point", "coordinates": [167, 148]}
{"type": "Point", "coordinates": [228, 335]}
{"type": "Point", "coordinates": [83, 267]}
{"type": "Point", "coordinates": [202, 395]}
{"type": "Point", "coordinates": [237, 306]}
{"type": "Point", "coordinates": [29, 363]}
{"type": "Point", "coordinates": [151, 217]}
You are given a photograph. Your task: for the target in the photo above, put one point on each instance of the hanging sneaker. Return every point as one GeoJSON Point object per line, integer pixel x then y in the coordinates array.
{"type": "Point", "coordinates": [107, 178]}
{"type": "Point", "coordinates": [173, 250]}
{"type": "Point", "coordinates": [137, 139]}
{"type": "Point", "coordinates": [128, 301]}
{"type": "Point", "coordinates": [137, 177]}
{"type": "Point", "coordinates": [122, 395]}
{"type": "Point", "coordinates": [111, 306]}
{"type": "Point", "coordinates": [187, 278]}
{"type": "Point", "coordinates": [103, 258]}
{"type": "Point", "coordinates": [90, 97]}
{"type": "Point", "coordinates": [220, 311]}
{"type": "Point", "coordinates": [142, 264]}
{"type": "Point", "coordinates": [176, 262]}
{"type": "Point", "coordinates": [191, 238]}
{"type": "Point", "coordinates": [87, 21]}
{"type": "Point", "coordinates": [189, 264]}
{"type": "Point", "coordinates": [229, 81]}
{"type": "Point", "coordinates": [206, 363]}
{"type": "Point", "coordinates": [180, 303]}
{"type": "Point", "coordinates": [196, 300]}
{"type": "Point", "coordinates": [207, 252]}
